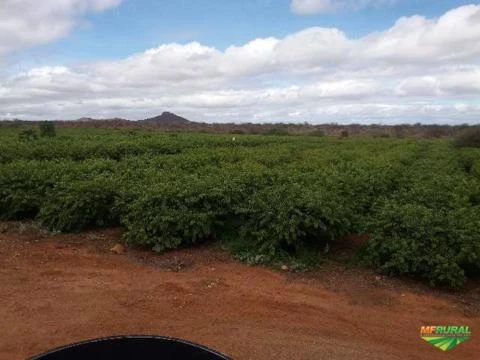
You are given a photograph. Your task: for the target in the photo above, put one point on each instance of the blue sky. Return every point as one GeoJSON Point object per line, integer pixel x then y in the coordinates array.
{"type": "Point", "coordinates": [137, 25]}
{"type": "Point", "coordinates": [79, 47]}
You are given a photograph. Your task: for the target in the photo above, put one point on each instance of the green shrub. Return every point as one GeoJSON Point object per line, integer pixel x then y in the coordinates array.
{"type": "Point", "coordinates": [47, 129]}
{"type": "Point", "coordinates": [291, 216]}
{"type": "Point", "coordinates": [475, 169]}
{"type": "Point", "coordinates": [412, 239]}
{"type": "Point", "coordinates": [77, 205]}
{"type": "Point", "coordinates": [22, 189]}
{"type": "Point", "coordinates": [24, 185]}
{"type": "Point", "coordinates": [28, 135]}
{"type": "Point", "coordinates": [166, 215]}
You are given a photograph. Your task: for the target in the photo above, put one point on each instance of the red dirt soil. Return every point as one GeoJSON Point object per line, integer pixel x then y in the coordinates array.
{"type": "Point", "coordinates": [59, 289]}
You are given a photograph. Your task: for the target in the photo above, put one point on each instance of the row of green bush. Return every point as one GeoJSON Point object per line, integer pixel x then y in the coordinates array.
{"type": "Point", "coordinates": [417, 199]}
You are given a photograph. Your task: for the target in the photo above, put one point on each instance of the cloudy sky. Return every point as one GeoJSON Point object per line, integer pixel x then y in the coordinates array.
{"type": "Point", "coordinates": [345, 61]}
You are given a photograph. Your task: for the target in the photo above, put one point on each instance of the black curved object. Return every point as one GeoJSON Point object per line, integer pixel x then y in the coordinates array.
{"type": "Point", "coordinates": [132, 347]}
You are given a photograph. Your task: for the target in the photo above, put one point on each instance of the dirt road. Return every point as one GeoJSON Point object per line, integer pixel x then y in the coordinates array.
{"type": "Point", "coordinates": [66, 288]}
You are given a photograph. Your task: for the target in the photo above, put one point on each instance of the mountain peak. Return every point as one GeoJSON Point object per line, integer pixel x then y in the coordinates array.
{"type": "Point", "coordinates": [167, 118]}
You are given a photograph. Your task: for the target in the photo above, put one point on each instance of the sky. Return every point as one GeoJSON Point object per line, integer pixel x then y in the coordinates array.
{"type": "Point", "coordinates": [293, 61]}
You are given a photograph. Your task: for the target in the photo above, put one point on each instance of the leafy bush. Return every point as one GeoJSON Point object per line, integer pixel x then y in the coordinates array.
{"type": "Point", "coordinates": [24, 185]}
{"type": "Point", "coordinates": [412, 239]}
{"type": "Point", "coordinates": [167, 215]}
{"type": "Point", "coordinates": [28, 135]}
{"type": "Point", "coordinates": [80, 204]}
{"type": "Point", "coordinates": [47, 129]}
{"type": "Point", "coordinates": [22, 190]}
{"type": "Point", "coordinates": [475, 170]}
{"type": "Point", "coordinates": [290, 216]}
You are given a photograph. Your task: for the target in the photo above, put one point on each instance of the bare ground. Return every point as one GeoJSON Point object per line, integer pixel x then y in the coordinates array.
{"type": "Point", "coordinates": [58, 289]}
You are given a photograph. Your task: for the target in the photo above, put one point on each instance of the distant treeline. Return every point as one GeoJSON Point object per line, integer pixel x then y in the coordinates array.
{"type": "Point", "coordinates": [395, 131]}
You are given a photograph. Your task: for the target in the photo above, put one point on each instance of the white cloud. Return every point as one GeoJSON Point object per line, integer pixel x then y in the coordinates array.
{"type": "Point", "coordinates": [255, 57]}
{"type": "Point", "coordinates": [455, 36]}
{"type": "Point", "coordinates": [25, 23]}
{"type": "Point", "coordinates": [418, 70]}
{"type": "Point", "coordinates": [447, 82]}
{"type": "Point", "coordinates": [314, 48]}
{"type": "Point", "coordinates": [310, 7]}
{"type": "Point", "coordinates": [351, 89]}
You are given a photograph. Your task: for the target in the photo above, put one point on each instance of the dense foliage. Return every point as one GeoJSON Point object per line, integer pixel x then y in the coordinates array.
{"type": "Point", "coordinates": [47, 129]}
{"type": "Point", "coordinates": [419, 199]}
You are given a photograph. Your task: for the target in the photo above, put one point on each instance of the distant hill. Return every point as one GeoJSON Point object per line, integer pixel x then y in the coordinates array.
{"type": "Point", "coordinates": [167, 118]}
{"type": "Point", "coordinates": [171, 122]}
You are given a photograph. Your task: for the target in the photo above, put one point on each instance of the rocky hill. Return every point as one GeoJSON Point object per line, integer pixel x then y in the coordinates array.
{"type": "Point", "coordinates": [167, 118]}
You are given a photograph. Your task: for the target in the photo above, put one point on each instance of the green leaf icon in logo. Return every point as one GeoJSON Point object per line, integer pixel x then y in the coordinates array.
{"type": "Point", "coordinates": [445, 337]}
{"type": "Point", "coordinates": [445, 343]}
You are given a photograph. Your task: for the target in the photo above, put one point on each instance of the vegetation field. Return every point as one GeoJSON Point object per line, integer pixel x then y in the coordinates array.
{"type": "Point", "coordinates": [267, 197]}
